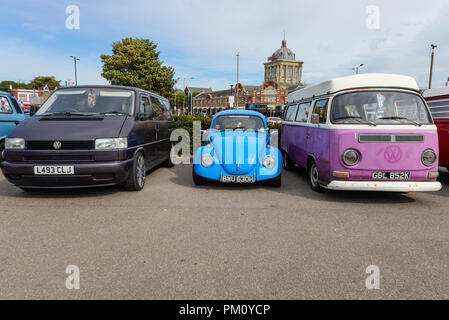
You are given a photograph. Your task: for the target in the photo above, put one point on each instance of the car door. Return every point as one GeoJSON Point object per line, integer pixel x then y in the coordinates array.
{"type": "Point", "coordinates": [8, 118]}
{"type": "Point", "coordinates": [301, 135]}
{"type": "Point", "coordinates": [145, 130]}
{"type": "Point", "coordinates": [318, 137]}
{"type": "Point", "coordinates": [163, 127]}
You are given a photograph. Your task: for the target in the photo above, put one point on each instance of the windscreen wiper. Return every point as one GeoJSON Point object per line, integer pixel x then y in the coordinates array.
{"type": "Point", "coordinates": [401, 118]}
{"type": "Point", "coordinates": [68, 114]}
{"type": "Point", "coordinates": [361, 120]}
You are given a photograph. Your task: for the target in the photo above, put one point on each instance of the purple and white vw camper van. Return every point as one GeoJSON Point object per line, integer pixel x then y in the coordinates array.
{"type": "Point", "coordinates": [368, 132]}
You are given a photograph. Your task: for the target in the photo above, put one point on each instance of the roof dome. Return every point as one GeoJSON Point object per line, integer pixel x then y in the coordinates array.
{"type": "Point", "coordinates": [283, 53]}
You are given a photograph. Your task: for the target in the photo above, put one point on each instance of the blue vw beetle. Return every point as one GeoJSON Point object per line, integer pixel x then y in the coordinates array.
{"type": "Point", "coordinates": [238, 151]}
{"type": "Point", "coordinates": [10, 116]}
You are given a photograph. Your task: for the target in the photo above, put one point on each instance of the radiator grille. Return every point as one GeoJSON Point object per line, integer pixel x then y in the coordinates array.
{"type": "Point", "coordinates": [65, 145]}
{"type": "Point", "coordinates": [391, 138]}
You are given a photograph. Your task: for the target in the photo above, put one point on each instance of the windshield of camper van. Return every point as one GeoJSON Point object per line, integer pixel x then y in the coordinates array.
{"type": "Point", "coordinates": [238, 122]}
{"type": "Point", "coordinates": [89, 101]}
{"type": "Point", "coordinates": [379, 107]}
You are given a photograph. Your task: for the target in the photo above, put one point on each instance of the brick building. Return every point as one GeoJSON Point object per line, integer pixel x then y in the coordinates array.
{"type": "Point", "coordinates": [282, 73]}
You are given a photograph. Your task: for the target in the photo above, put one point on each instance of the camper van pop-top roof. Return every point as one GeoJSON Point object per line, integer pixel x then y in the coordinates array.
{"type": "Point", "coordinates": [360, 81]}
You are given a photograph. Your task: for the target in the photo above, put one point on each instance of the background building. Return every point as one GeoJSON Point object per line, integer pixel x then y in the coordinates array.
{"type": "Point", "coordinates": [283, 68]}
{"type": "Point", "coordinates": [282, 73]}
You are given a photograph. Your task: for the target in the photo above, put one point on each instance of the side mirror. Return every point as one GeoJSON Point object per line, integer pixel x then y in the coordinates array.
{"type": "Point", "coordinates": [146, 115]}
{"type": "Point", "coordinates": [33, 110]}
{"type": "Point", "coordinates": [315, 118]}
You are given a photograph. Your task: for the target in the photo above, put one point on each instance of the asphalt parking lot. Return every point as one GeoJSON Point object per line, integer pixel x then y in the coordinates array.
{"type": "Point", "coordinates": [177, 241]}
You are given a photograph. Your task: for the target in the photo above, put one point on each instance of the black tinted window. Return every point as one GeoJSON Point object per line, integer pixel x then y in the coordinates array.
{"type": "Point", "coordinates": [146, 106]}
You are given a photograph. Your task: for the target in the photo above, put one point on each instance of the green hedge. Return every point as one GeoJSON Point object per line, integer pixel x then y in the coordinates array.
{"type": "Point", "coordinates": [186, 122]}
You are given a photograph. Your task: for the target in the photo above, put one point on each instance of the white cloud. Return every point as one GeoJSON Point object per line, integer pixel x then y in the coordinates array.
{"type": "Point", "coordinates": [201, 37]}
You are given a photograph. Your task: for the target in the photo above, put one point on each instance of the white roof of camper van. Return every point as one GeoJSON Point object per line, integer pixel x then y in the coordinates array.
{"type": "Point", "coordinates": [367, 80]}
{"type": "Point", "coordinates": [436, 92]}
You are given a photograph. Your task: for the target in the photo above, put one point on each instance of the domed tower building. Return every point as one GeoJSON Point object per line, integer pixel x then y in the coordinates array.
{"type": "Point", "coordinates": [283, 69]}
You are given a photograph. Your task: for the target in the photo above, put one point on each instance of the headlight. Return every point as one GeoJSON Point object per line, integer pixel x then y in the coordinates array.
{"type": "Point", "coordinates": [15, 143]}
{"type": "Point", "coordinates": [111, 143]}
{"type": "Point", "coordinates": [269, 162]}
{"type": "Point", "coordinates": [428, 158]}
{"type": "Point", "coordinates": [351, 157]}
{"type": "Point", "coordinates": [207, 160]}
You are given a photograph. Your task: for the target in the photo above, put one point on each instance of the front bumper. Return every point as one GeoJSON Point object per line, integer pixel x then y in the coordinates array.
{"type": "Point", "coordinates": [386, 186]}
{"type": "Point", "coordinates": [86, 174]}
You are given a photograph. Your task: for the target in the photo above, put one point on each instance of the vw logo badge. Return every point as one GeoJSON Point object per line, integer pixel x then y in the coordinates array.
{"type": "Point", "coordinates": [393, 154]}
{"type": "Point", "coordinates": [57, 145]}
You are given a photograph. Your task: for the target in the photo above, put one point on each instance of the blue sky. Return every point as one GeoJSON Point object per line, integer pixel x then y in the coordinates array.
{"type": "Point", "coordinates": [200, 38]}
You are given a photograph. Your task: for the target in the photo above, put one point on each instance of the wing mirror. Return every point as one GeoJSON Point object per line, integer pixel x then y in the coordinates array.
{"type": "Point", "coordinates": [146, 115]}
{"type": "Point", "coordinates": [315, 118]}
{"type": "Point", "coordinates": [33, 110]}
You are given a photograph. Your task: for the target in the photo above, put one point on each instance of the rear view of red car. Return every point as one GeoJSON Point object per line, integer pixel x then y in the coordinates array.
{"type": "Point", "coordinates": [438, 101]}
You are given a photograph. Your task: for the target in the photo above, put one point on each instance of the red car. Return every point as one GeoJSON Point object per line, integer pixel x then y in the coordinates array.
{"type": "Point", "coordinates": [438, 101]}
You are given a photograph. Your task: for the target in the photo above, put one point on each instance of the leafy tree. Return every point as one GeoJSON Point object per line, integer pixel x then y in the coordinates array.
{"type": "Point", "coordinates": [40, 82]}
{"type": "Point", "coordinates": [16, 85]}
{"type": "Point", "coordinates": [135, 62]}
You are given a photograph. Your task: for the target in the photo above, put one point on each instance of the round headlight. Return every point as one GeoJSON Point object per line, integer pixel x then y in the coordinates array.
{"type": "Point", "coordinates": [207, 160]}
{"type": "Point", "coordinates": [428, 158]}
{"type": "Point", "coordinates": [351, 157]}
{"type": "Point", "coordinates": [269, 162]}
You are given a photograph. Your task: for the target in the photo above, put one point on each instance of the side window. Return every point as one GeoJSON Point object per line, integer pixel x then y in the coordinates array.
{"type": "Point", "coordinates": [16, 106]}
{"type": "Point", "coordinates": [321, 109]}
{"type": "Point", "coordinates": [159, 108]}
{"type": "Point", "coordinates": [5, 107]}
{"type": "Point", "coordinates": [303, 112]}
{"type": "Point", "coordinates": [145, 105]}
{"type": "Point", "coordinates": [168, 114]}
{"type": "Point", "coordinates": [291, 113]}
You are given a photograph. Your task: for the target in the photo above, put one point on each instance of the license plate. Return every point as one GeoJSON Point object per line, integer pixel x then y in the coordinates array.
{"type": "Point", "coordinates": [388, 175]}
{"type": "Point", "coordinates": [54, 170]}
{"type": "Point", "coordinates": [238, 179]}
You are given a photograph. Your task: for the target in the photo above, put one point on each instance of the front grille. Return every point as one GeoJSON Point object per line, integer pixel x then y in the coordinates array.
{"type": "Point", "coordinates": [392, 138]}
{"type": "Point", "coordinates": [65, 145]}
{"type": "Point", "coordinates": [58, 158]}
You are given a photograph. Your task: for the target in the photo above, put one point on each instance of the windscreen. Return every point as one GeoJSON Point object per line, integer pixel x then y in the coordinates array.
{"type": "Point", "coordinates": [105, 101]}
{"type": "Point", "coordinates": [379, 107]}
{"type": "Point", "coordinates": [238, 122]}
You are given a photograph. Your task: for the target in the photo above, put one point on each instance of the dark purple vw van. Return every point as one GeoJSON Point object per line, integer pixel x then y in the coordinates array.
{"type": "Point", "coordinates": [88, 136]}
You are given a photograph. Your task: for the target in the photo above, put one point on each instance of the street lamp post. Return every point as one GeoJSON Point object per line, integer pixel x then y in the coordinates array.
{"type": "Point", "coordinates": [75, 59]}
{"type": "Point", "coordinates": [184, 86]}
{"type": "Point", "coordinates": [236, 86]}
{"type": "Point", "coordinates": [432, 46]}
{"type": "Point", "coordinates": [356, 68]}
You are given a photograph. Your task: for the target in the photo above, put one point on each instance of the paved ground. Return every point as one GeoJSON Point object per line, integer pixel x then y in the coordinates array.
{"type": "Point", "coordinates": [174, 240]}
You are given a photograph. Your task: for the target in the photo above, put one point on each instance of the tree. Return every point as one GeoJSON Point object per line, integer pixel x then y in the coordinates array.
{"type": "Point", "coordinates": [40, 82]}
{"type": "Point", "coordinates": [15, 85]}
{"type": "Point", "coordinates": [135, 63]}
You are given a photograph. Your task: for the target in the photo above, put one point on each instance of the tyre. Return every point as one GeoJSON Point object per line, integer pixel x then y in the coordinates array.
{"type": "Point", "coordinates": [276, 182]}
{"type": "Point", "coordinates": [198, 180]}
{"type": "Point", "coordinates": [169, 163]}
{"type": "Point", "coordinates": [288, 163]}
{"type": "Point", "coordinates": [136, 180]}
{"type": "Point", "coordinates": [2, 147]}
{"type": "Point", "coordinates": [314, 178]}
